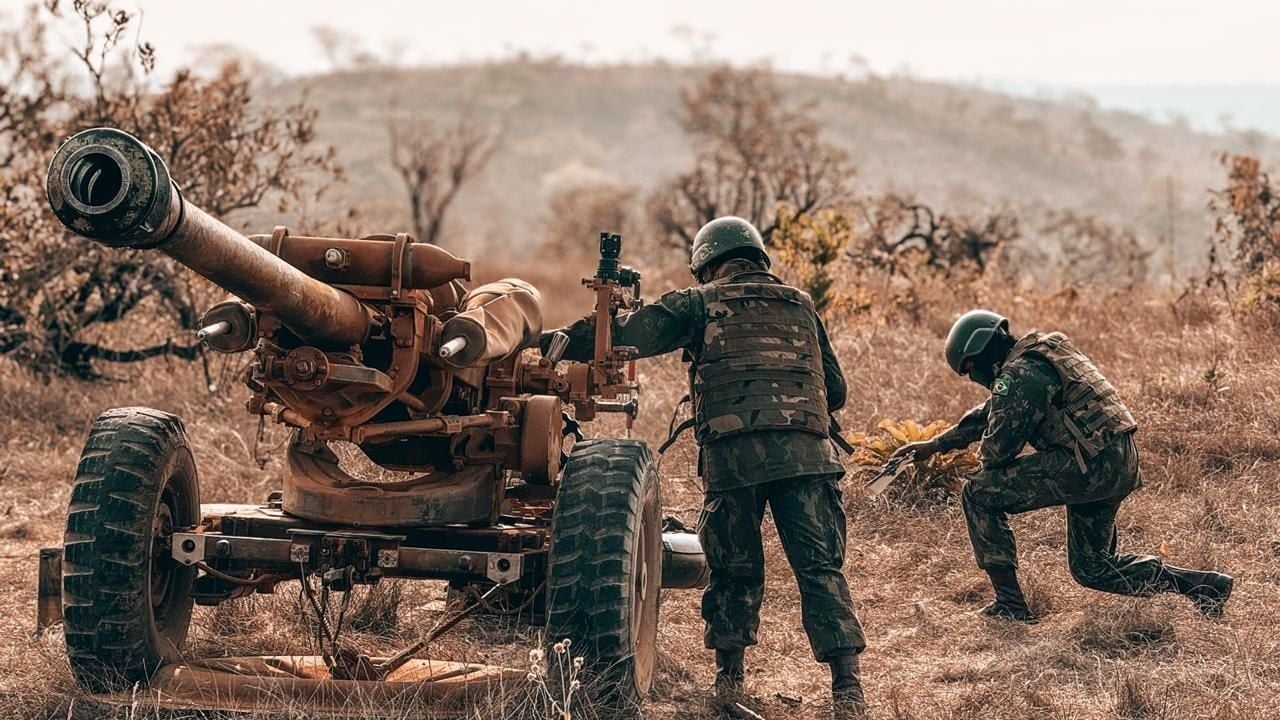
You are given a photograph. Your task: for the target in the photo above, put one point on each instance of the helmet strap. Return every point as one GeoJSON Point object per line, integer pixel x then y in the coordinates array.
{"type": "Point", "coordinates": [987, 364]}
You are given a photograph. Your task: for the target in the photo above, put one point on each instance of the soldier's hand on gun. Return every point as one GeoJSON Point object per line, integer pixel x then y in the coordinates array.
{"type": "Point", "coordinates": [920, 451]}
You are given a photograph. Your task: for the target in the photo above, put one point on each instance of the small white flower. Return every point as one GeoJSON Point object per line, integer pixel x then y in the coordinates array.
{"type": "Point", "coordinates": [578, 662]}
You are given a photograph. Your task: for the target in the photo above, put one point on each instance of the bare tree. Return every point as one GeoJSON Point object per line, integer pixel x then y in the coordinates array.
{"type": "Point", "coordinates": [33, 84]}
{"type": "Point", "coordinates": [755, 156]}
{"type": "Point", "coordinates": [1094, 250]}
{"type": "Point", "coordinates": [343, 50]}
{"type": "Point", "coordinates": [434, 162]}
{"type": "Point", "coordinates": [57, 289]}
{"type": "Point", "coordinates": [898, 228]}
{"type": "Point", "coordinates": [577, 214]}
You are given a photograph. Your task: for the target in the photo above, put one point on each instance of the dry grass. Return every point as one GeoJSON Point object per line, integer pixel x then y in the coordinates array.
{"type": "Point", "coordinates": [1210, 452]}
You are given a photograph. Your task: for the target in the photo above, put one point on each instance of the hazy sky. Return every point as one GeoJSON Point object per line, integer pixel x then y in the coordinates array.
{"type": "Point", "coordinates": [1049, 42]}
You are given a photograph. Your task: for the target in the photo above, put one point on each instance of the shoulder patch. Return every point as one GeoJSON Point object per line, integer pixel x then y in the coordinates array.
{"type": "Point", "coordinates": [1000, 386]}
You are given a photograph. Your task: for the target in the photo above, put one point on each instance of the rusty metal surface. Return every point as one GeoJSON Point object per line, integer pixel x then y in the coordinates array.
{"type": "Point", "coordinates": [363, 340]}
{"type": "Point", "coordinates": [317, 489]}
{"type": "Point", "coordinates": [368, 261]}
{"type": "Point", "coordinates": [49, 589]}
{"type": "Point", "coordinates": [149, 211]}
{"type": "Point", "coordinates": [373, 341]}
{"type": "Point", "coordinates": [541, 439]}
{"type": "Point", "coordinates": [422, 688]}
{"type": "Point", "coordinates": [310, 308]}
{"type": "Point", "coordinates": [391, 557]}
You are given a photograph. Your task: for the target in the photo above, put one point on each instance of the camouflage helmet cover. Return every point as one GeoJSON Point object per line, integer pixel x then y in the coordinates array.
{"type": "Point", "coordinates": [970, 335]}
{"type": "Point", "coordinates": [722, 235]}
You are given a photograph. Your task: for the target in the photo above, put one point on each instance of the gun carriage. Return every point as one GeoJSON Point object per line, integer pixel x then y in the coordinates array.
{"type": "Point", "coordinates": [376, 342]}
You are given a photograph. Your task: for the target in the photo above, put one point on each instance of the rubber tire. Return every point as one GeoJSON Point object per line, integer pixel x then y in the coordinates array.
{"type": "Point", "coordinates": [606, 528]}
{"type": "Point", "coordinates": [136, 468]}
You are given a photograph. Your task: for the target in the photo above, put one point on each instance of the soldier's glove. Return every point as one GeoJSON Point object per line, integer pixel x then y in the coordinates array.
{"type": "Point", "coordinates": [921, 449]}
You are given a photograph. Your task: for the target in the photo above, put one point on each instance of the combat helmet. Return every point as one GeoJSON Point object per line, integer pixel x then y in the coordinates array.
{"type": "Point", "coordinates": [971, 334]}
{"type": "Point", "coordinates": [721, 236]}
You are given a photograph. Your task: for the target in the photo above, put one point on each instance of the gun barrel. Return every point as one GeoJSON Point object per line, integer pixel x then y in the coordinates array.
{"type": "Point", "coordinates": [109, 186]}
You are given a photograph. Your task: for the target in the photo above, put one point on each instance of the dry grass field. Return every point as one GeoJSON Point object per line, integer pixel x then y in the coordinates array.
{"type": "Point", "coordinates": [1072, 190]}
{"type": "Point", "coordinates": [1206, 389]}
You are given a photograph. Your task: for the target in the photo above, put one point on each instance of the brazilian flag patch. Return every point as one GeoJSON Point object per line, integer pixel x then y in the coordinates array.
{"type": "Point", "coordinates": [1000, 387]}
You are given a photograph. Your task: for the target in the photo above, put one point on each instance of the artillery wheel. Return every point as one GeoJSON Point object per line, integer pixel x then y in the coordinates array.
{"type": "Point", "coordinates": [126, 602]}
{"type": "Point", "coordinates": [605, 566]}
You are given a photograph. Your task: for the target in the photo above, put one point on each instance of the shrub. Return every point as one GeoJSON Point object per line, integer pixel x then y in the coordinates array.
{"type": "Point", "coordinates": [937, 479]}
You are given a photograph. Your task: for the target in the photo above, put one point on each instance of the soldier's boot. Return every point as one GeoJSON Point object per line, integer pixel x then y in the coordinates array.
{"type": "Point", "coordinates": [1009, 604]}
{"type": "Point", "coordinates": [730, 686]}
{"type": "Point", "coordinates": [1207, 589]}
{"type": "Point", "coordinates": [731, 671]}
{"type": "Point", "coordinates": [847, 700]}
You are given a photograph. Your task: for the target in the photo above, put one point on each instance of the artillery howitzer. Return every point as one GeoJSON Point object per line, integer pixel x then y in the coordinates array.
{"type": "Point", "coordinates": [375, 342]}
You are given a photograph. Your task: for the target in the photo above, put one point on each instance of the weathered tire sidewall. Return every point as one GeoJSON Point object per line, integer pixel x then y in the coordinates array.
{"type": "Point", "coordinates": [606, 472]}
{"type": "Point", "coordinates": [648, 544]}
{"type": "Point", "coordinates": [180, 474]}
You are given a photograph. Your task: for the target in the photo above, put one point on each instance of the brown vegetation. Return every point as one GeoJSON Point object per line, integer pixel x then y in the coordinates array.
{"type": "Point", "coordinates": [434, 162]}
{"type": "Point", "coordinates": [1209, 499]}
{"type": "Point", "coordinates": [757, 158]}
{"type": "Point", "coordinates": [1198, 372]}
{"type": "Point", "coordinates": [57, 290]}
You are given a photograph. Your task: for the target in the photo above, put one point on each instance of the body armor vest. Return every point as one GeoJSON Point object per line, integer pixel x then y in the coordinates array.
{"type": "Point", "coordinates": [1088, 411]}
{"type": "Point", "coordinates": [760, 363]}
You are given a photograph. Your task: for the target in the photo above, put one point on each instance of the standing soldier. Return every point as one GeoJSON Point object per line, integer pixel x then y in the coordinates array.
{"type": "Point", "coordinates": [1046, 393]}
{"type": "Point", "coordinates": [764, 382]}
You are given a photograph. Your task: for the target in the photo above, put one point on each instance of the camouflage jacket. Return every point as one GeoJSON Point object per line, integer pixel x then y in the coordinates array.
{"type": "Point", "coordinates": [1022, 395]}
{"type": "Point", "coordinates": [676, 321]}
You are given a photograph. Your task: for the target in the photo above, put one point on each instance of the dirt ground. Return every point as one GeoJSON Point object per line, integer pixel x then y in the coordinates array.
{"type": "Point", "coordinates": [1204, 387]}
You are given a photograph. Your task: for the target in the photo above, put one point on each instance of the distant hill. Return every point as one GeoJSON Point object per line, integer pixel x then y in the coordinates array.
{"type": "Point", "coordinates": [1255, 107]}
{"type": "Point", "coordinates": [954, 146]}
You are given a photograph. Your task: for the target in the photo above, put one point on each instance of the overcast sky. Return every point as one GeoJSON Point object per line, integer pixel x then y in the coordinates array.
{"type": "Point", "coordinates": [1046, 42]}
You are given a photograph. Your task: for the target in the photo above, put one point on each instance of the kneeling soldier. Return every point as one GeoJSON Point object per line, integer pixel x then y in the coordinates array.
{"type": "Point", "coordinates": [1046, 393]}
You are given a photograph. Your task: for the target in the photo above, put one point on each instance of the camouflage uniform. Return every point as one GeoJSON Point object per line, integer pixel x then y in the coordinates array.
{"type": "Point", "coordinates": [761, 442]}
{"type": "Point", "coordinates": [1090, 478]}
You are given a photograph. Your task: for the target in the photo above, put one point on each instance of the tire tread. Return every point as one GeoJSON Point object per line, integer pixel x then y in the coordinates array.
{"type": "Point", "coordinates": [598, 510]}
{"type": "Point", "coordinates": [105, 573]}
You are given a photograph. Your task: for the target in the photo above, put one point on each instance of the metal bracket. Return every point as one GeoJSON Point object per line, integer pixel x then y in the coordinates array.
{"type": "Point", "coordinates": [365, 551]}
{"type": "Point", "coordinates": [399, 258]}
{"type": "Point", "coordinates": [277, 239]}
{"type": "Point", "coordinates": [505, 567]}
{"type": "Point", "coordinates": [188, 548]}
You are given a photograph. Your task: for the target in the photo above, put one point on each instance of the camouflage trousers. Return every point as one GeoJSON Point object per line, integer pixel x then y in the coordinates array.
{"type": "Point", "coordinates": [811, 526]}
{"type": "Point", "coordinates": [1092, 498]}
